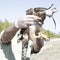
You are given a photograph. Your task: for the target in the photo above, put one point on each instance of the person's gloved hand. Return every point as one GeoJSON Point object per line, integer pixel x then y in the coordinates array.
{"type": "Point", "coordinates": [50, 12]}
{"type": "Point", "coordinates": [25, 21]}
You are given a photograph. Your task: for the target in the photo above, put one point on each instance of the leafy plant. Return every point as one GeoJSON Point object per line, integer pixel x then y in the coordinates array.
{"type": "Point", "coordinates": [4, 24]}
{"type": "Point", "coordinates": [50, 34]}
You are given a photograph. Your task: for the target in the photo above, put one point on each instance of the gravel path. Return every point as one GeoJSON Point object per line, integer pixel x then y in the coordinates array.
{"type": "Point", "coordinates": [50, 51]}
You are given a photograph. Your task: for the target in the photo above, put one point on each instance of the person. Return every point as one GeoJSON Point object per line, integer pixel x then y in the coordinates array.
{"type": "Point", "coordinates": [23, 22]}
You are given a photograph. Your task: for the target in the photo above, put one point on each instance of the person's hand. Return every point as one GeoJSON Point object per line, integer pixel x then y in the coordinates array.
{"type": "Point", "coordinates": [25, 21]}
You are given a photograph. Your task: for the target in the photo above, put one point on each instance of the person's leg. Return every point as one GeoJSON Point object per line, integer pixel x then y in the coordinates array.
{"type": "Point", "coordinates": [37, 45]}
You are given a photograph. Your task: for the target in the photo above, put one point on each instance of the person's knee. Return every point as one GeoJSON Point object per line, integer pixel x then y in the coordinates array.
{"type": "Point", "coordinates": [38, 45]}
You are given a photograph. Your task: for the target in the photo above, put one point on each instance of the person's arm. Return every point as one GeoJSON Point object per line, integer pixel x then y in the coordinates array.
{"type": "Point", "coordinates": [9, 33]}
{"type": "Point", "coordinates": [22, 22]}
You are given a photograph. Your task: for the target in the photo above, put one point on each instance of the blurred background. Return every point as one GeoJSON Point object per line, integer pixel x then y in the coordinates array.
{"type": "Point", "coordinates": [11, 10]}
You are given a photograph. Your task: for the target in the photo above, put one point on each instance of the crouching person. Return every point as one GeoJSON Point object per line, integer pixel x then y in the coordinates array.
{"type": "Point", "coordinates": [23, 22]}
{"type": "Point", "coordinates": [32, 17]}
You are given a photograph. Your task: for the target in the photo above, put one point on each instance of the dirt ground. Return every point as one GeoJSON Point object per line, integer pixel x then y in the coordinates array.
{"type": "Point", "coordinates": [51, 51]}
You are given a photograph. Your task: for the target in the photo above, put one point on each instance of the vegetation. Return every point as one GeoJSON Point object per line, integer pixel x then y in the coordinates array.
{"type": "Point", "coordinates": [5, 24]}
{"type": "Point", "coordinates": [50, 34]}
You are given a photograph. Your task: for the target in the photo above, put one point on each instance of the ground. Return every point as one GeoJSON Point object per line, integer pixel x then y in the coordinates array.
{"type": "Point", "coordinates": [50, 51]}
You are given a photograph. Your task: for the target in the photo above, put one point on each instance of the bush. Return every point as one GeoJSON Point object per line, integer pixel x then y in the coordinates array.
{"type": "Point", "coordinates": [4, 24]}
{"type": "Point", "coordinates": [50, 34]}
